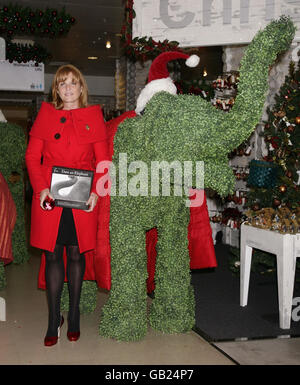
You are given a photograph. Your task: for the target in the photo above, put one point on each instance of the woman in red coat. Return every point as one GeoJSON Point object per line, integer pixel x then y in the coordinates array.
{"type": "Point", "coordinates": [66, 133]}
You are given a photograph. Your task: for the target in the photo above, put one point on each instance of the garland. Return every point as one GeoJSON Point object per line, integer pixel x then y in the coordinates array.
{"type": "Point", "coordinates": [195, 87]}
{"type": "Point", "coordinates": [144, 48]}
{"type": "Point", "coordinates": [23, 53]}
{"type": "Point", "coordinates": [18, 20]}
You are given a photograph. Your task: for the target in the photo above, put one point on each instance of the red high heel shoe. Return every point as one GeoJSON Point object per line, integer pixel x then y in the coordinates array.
{"type": "Point", "coordinates": [50, 341]}
{"type": "Point", "coordinates": [73, 336]}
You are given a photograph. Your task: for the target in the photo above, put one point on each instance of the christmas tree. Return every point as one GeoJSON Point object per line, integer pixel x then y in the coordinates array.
{"type": "Point", "coordinates": [274, 192]}
{"type": "Point", "coordinates": [282, 137]}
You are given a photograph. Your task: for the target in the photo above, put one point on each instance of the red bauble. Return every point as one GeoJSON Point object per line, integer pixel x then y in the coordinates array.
{"type": "Point", "coordinates": [289, 174]}
{"type": "Point", "coordinates": [274, 142]}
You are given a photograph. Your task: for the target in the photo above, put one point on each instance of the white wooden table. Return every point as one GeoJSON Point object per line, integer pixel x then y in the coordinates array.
{"type": "Point", "coordinates": [2, 309]}
{"type": "Point", "coordinates": [286, 247]}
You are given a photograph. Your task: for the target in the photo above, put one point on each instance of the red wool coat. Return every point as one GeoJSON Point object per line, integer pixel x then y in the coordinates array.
{"type": "Point", "coordinates": [201, 247]}
{"type": "Point", "coordinates": [74, 138]}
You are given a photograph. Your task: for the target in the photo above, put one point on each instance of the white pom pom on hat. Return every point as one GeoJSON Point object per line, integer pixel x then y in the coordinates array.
{"type": "Point", "coordinates": [159, 78]}
{"type": "Point", "coordinates": [192, 61]}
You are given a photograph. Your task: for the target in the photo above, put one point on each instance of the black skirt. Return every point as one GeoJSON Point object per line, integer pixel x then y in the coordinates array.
{"type": "Point", "coordinates": [67, 231]}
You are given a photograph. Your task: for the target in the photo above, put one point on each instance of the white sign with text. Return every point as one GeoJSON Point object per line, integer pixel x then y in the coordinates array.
{"type": "Point", "coordinates": [209, 22]}
{"type": "Point", "coordinates": [21, 76]}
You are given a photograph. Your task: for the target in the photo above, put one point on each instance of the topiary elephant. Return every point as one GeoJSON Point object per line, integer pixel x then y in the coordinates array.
{"type": "Point", "coordinates": [175, 128]}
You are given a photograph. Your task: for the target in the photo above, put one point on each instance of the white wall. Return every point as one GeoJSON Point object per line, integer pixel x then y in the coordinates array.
{"type": "Point", "coordinates": [97, 85]}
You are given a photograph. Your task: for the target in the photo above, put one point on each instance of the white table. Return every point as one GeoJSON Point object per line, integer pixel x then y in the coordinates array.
{"type": "Point", "coordinates": [2, 309]}
{"type": "Point", "coordinates": [286, 247]}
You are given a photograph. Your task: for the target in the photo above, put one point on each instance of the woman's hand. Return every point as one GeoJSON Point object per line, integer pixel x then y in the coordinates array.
{"type": "Point", "coordinates": [91, 202]}
{"type": "Point", "coordinates": [43, 195]}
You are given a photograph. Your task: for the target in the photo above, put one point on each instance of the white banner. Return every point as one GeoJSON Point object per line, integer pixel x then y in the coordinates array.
{"type": "Point", "coordinates": [21, 76]}
{"type": "Point", "coordinates": [209, 22]}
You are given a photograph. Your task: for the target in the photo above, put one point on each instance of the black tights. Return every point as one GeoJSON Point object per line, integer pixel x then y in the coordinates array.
{"type": "Point", "coordinates": [55, 274]}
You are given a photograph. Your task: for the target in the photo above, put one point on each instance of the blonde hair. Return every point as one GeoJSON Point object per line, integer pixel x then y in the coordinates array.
{"type": "Point", "coordinates": [60, 76]}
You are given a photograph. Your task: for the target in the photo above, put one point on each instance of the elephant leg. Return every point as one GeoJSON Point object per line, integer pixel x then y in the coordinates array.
{"type": "Point", "coordinates": [173, 308]}
{"type": "Point", "coordinates": [124, 316]}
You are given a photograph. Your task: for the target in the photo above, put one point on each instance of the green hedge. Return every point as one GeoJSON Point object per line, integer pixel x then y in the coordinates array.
{"type": "Point", "coordinates": [12, 150]}
{"type": "Point", "coordinates": [183, 127]}
{"type": "Point", "coordinates": [2, 276]}
{"type": "Point", "coordinates": [88, 298]}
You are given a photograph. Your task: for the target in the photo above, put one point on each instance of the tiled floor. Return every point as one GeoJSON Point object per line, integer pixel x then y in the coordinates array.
{"type": "Point", "coordinates": [21, 337]}
{"type": "Point", "coordinates": [280, 351]}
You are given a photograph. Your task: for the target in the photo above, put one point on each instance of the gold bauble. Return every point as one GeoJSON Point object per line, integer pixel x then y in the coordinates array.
{"type": "Point", "coordinates": [282, 188]}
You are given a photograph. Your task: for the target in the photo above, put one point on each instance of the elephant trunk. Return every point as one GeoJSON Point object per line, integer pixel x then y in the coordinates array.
{"type": "Point", "coordinates": [253, 85]}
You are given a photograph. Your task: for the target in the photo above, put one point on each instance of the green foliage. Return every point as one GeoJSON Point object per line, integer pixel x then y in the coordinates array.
{"type": "Point", "coordinates": [2, 276]}
{"type": "Point", "coordinates": [181, 128]}
{"type": "Point", "coordinates": [88, 298]}
{"type": "Point", "coordinates": [12, 150]}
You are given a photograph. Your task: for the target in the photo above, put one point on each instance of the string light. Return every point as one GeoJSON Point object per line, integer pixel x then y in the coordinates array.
{"type": "Point", "coordinates": [108, 44]}
{"type": "Point", "coordinates": [204, 72]}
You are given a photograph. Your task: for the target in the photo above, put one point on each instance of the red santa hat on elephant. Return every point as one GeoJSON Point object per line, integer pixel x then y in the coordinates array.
{"type": "Point", "coordinates": [159, 78]}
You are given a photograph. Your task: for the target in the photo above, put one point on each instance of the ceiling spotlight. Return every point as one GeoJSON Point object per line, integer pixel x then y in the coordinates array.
{"type": "Point", "coordinates": [92, 57]}
{"type": "Point", "coordinates": [108, 44]}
